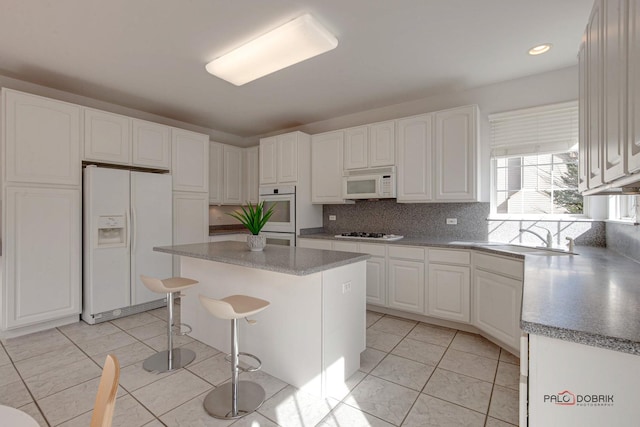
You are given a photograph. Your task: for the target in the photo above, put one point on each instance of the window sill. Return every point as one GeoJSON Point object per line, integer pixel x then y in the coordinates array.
{"type": "Point", "coordinates": [541, 218]}
{"type": "Point", "coordinates": [622, 221]}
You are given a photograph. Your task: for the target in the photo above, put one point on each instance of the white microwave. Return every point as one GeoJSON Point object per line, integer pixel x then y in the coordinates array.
{"type": "Point", "coordinates": [374, 183]}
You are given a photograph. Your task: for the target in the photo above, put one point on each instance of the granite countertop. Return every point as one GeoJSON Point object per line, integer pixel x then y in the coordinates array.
{"type": "Point", "coordinates": [281, 259]}
{"type": "Point", "coordinates": [592, 298]}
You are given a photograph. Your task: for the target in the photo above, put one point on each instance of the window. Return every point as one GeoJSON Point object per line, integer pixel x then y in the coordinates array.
{"type": "Point", "coordinates": [535, 161]}
{"type": "Point", "coordinates": [623, 207]}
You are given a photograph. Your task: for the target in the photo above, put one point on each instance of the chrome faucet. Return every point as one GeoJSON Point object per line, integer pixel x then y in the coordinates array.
{"type": "Point", "coordinates": [548, 241]}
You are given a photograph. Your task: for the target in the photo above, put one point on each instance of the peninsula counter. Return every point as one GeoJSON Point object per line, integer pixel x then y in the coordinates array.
{"type": "Point", "coordinates": [311, 335]}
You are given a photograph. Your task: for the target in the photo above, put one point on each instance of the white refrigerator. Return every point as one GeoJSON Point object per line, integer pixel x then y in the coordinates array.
{"type": "Point", "coordinates": [125, 214]}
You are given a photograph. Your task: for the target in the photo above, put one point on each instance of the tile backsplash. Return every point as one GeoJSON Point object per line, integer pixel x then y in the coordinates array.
{"type": "Point", "coordinates": [430, 220]}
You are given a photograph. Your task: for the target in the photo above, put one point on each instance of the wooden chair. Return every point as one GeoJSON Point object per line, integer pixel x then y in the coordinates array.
{"type": "Point", "coordinates": [107, 390]}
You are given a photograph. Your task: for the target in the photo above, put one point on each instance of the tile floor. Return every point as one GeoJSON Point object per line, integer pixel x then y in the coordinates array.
{"type": "Point", "coordinates": [412, 374]}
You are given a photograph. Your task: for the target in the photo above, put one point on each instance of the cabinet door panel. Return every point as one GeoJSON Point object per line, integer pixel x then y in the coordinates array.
{"type": "Point", "coordinates": [189, 161]}
{"type": "Point", "coordinates": [406, 285]}
{"type": "Point", "coordinates": [633, 138]}
{"type": "Point", "coordinates": [268, 160]}
{"type": "Point", "coordinates": [216, 173]}
{"type": "Point", "coordinates": [326, 167]}
{"type": "Point", "coordinates": [190, 221]}
{"type": "Point", "coordinates": [42, 139]}
{"type": "Point", "coordinates": [614, 76]}
{"type": "Point", "coordinates": [456, 154]}
{"type": "Point", "coordinates": [107, 137]}
{"type": "Point", "coordinates": [449, 292]}
{"type": "Point", "coordinates": [42, 267]}
{"type": "Point", "coordinates": [151, 145]}
{"type": "Point", "coordinates": [583, 124]}
{"type": "Point", "coordinates": [356, 147]}
{"type": "Point", "coordinates": [251, 175]}
{"type": "Point", "coordinates": [497, 306]}
{"type": "Point", "coordinates": [382, 144]}
{"type": "Point", "coordinates": [287, 164]}
{"type": "Point", "coordinates": [232, 175]}
{"type": "Point", "coordinates": [594, 96]}
{"type": "Point", "coordinates": [376, 281]}
{"type": "Point", "coordinates": [415, 159]}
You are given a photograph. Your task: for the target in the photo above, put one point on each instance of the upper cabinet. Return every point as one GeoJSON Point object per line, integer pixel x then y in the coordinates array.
{"type": "Point", "coordinates": [150, 145]}
{"type": "Point", "coordinates": [279, 158]}
{"type": "Point", "coordinates": [107, 137]}
{"type": "Point", "coordinates": [251, 175]}
{"type": "Point", "coordinates": [438, 156]}
{"type": "Point", "coordinates": [369, 146]}
{"type": "Point", "coordinates": [42, 139]}
{"type": "Point", "coordinates": [609, 96]}
{"type": "Point", "coordinates": [189, 161]}
{"type": "Point", "coordinates": [232, 187]}
{"type": "Point", "coordinates": [456, 154]}
{"type": "Point", "coordinates": [415, 159]}
{"type": "Point", "coordinates": [216, 173]}
{"type": "Point", "coordinates": [326, 167]}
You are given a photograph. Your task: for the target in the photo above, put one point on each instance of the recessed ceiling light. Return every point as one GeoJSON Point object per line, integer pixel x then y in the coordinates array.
{"type": "Point", "coordinates": [293, 42]}
{"type": "Point", "coordinates": [540, 49]}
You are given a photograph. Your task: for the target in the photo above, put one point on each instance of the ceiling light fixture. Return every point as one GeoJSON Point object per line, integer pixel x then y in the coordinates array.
{"type": "Point", "coordinates": [293, 42]}
{"type": "Point", "coordinates": [540, 49]}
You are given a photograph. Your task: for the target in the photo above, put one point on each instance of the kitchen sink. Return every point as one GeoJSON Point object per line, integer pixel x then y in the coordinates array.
{"type": "Point", "coordinates": [531, 250]}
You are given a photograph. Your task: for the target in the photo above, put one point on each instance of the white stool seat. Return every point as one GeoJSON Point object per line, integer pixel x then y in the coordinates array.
{"type": "Point", "coordinates": [167, 286]}
{"type": "Point", "coordinates": [169, 359]}
{"type": "Point", "coordinates": [234, 306]}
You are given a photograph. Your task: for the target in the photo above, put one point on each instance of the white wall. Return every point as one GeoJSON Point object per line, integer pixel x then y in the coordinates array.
{"type": "Point", "coordinates": [35, 89]}
{"type": "Point", "coordinates": [546, 88]}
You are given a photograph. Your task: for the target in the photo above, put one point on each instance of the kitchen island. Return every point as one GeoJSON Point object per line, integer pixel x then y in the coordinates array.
{"type": "Point", "coordinates": [311, 335]}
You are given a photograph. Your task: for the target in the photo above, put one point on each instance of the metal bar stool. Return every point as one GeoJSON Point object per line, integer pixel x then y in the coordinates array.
{"type": "Point", "coordinates": [237, 398]}
{"type": "Point", "coordinates": [171, 358]}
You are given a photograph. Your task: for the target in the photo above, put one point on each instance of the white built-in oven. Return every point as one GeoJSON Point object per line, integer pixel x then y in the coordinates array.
{"type": "Point", "coordinates": [280, 239]}
{"type": "Point", "coordinates": [374, 183]}
{"type": "Point", "coordinates": [283, 200]}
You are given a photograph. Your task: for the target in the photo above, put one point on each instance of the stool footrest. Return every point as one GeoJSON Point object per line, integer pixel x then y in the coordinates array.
{"type": "Point", "coordinates": [177, 329]}
{"type": "Point", "coordinates": [245, 367]}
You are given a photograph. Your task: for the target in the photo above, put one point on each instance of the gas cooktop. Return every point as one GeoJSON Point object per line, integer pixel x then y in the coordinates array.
{"type": "Point", "coordinates": [369, 236]}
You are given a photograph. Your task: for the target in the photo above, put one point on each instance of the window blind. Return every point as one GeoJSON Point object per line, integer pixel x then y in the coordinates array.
{"type": "Point", "coordinates": [545, 130]}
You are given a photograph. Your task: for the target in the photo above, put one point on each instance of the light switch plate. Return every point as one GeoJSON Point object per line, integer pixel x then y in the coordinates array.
{"type": "Point", "coordinates": [452, 221]}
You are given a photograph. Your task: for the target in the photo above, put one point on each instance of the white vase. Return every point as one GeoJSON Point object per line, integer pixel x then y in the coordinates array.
{"type": "Point", "coordinates": [256, 242]}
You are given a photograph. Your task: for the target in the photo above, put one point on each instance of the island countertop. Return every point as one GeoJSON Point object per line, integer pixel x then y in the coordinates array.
{"type": "Point", "coordinates": [289, 260]}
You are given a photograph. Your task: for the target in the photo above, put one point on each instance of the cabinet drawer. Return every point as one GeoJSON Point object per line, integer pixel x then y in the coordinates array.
{"type": "Point", "coordinates": [345, 246]}
{"type": "Point", "coordinates": [314, 244]}
{"type": "Point", "coordinates": [449, 256]}
{"type": "Point", "coordinates": [501, 265]}
{"type": "Point", "coordinates": [372, 249]}
{"type": "Point", "coordinates": [406, 252]}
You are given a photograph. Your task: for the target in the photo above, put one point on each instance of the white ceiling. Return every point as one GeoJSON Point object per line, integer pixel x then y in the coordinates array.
{"type": "Point", "coordinates": [150, 54]}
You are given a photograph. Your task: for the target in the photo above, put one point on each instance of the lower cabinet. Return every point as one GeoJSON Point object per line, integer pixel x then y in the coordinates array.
{"type": "Point", "coordinates": [406, 279]}
{"type": "Point", "coordinates": [239, 237]}
{"type": "Point", "coordinates": [42, 279]}
{"type": "Point", "coordinates": [497, 301]}
{"type": "Point", "coordinates": [449, 292]}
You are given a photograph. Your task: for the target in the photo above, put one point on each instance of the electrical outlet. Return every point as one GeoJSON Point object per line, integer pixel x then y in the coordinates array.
{"type": "Point", "coordinates": [332, 217]}
{"type": "Point", "coordinates": [346, 287]}
{"type": "Point", "coordinates": [452, 221]}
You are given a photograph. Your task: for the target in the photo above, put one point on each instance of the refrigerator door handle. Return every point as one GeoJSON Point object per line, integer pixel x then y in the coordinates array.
{"type": "Point", "coordinates": [126, 213]}
{"type": "Point", "coordinates": [133, 229]}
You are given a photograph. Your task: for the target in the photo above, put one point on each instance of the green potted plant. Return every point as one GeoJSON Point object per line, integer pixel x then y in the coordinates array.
{"type": "Point", "coordinates": [254, 217]}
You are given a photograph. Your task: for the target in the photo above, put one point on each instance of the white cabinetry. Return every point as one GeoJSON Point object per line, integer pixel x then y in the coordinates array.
{"type": "Point", "coordinates": [633, 113]}
{"type": "Point", "coordinates": [376, 273]}
{"type": "Point", "coordinates": [594, 94]}
{"type": "Point", "coordinates": [189, 161]}
{"type": "Point", "coordinates": [415, 159]}
{"type": "Point", "coordinates": [107, 137]}
{"type": "Point", "coordinates": [326, 167]}
{"type": "Point", "coordinates": [150, 145]}
{"type": "Point", "coordinates": [497, 294]}
{"type": "Point", "coordinates": [583, 122]}
{"type": "Point", "coordinates": [449, 285]}
{"type": "Point", "coordinates": [314, 244]}
{"type": "Point", "coordinates": [42, 140]}
{"type": "Point", "coordinates": [251, 175]}
{"type": "Point", "coordinates": [216, 173]}
{"type": "Point", "coordinates": [232, 182]}
{"type": "Point", "coordinates": [279, 158]}
{"type": "Point", "coordinates": [240, 237]}
{"type": "Point", "coordinates": [42, 255]}
{"type": "Point", "coordinates": [370, 146]}
{"type": "Point", "coordinates": [441, 164]}
{"type": "Point", "coordinates": [406, 278]}
{"type": "Point", "coordinates": [190, 221]}
{"type": "Point", "coordinates": [456, 154]}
